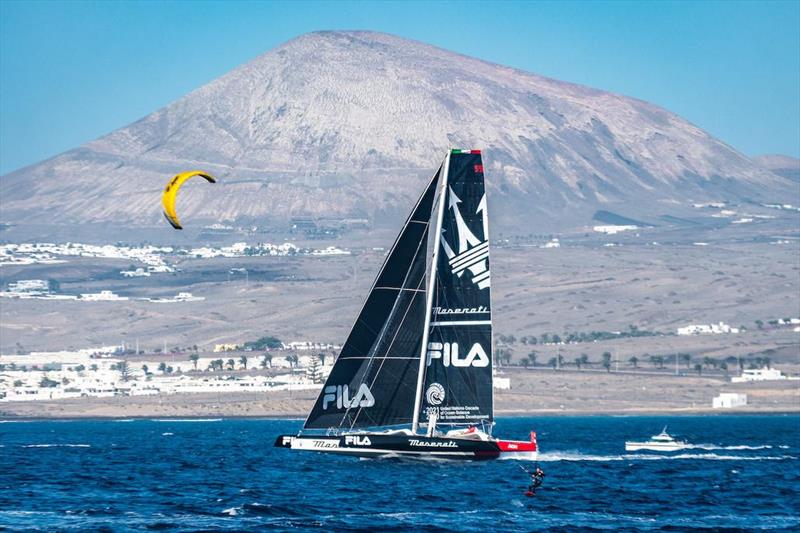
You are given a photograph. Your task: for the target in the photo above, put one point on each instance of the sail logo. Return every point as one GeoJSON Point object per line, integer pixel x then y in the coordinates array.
{"type": "Point", "coordinates": [473, 253]}
{"type": "Point", "coordinates": [357, 440]}
{"type": "Point", "coordinates": [449, 354]}
{"type": "Point", "coordinates": [340, 394]}
{"type": "Point", "coordinates": [435, 394]}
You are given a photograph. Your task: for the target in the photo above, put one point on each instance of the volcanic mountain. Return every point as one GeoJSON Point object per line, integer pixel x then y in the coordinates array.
{"type": "Point", "coordinates": [349, 125]}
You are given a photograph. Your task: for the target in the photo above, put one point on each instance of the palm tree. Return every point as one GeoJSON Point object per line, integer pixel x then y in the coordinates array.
{"type": "Point", "coordinates": [145, 369]}
{"type": "Point", "coordinates": [162, 367]}
{"type": "Point", "coordinates": [194, 357]}
{"type": "Point", "coordinates": [243, 361]}
{"type": "Point", "coordinates": [553, 362]}
{"type": "Point", "coordinates": [124, 370]}
{"type": "Point", "coordinates": [578, 362]}
{"type": "Point", "coordinates": [532, 356]}
{"type": "Point", "coordinates": [686, 358]}
{"type": "Point", "coordinates": [607, 361]}
{"type": "Point", "coordinates": [584, 359]}
{"type": "Point", "coordinates": [634, 361]}
{"type": "Point", "coordinates": [321, 356]}
{"type": "Point", "coordinates": [699, 368]}
{"type": "Point", "coordinates": [231, 364]}
{"type": "Point", "coordinates": [525, 363]}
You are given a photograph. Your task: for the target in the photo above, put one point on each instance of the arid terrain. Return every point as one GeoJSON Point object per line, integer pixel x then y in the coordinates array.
{"type": "Point", "coordinates": [582, 286]}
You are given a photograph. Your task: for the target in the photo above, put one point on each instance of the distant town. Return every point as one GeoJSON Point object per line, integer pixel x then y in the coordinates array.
{"type": "Point", "coordinates": [155, 258]}
{"type": "Point", "coordinates": [269, 364]}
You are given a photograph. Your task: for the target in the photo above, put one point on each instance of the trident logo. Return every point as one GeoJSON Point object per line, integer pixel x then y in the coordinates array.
{"type": "Point", "coordinates": [473, 254]}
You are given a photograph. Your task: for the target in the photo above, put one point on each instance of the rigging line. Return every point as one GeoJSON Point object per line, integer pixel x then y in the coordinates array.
{"type": "Point", "coordinates": [462, 323]}
{"type": "Point", "coordinates": [437, 236]}
{"type": "Point", "coordinates": [376, 344]}
{"type": "Point", "coordinates": [387, 358]}
{"type": "Point", "coordinates": [424, 239]}
{"type": "Point", "coordinates": [365, 372]}
{"type": "Point", "coordinates": [435, 178]}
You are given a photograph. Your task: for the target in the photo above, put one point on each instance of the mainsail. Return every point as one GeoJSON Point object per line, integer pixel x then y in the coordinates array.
{"type": "Point", "coordinates": [416, 352]}
{"type": "Point", "coordinates": [458, 375]}
{"type": "Point", "coordinates": [373, 381]}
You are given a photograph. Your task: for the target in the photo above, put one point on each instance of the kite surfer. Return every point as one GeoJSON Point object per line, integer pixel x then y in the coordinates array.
{"type": "Point", "coordinates": [537, 478]}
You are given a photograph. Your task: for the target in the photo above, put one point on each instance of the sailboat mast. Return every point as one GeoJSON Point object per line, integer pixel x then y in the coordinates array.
{"type": "Point", "coordinates": [429, 295]}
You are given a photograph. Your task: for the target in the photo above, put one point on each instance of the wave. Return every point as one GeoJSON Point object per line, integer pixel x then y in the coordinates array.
{"type": "Point", "coordinates": [167, 434]}
{"type": "Point", "coordinates": [186, 420]}
{"type": "Point", "coordinates": [577, 456]}
{"type": "Point", "coordinates": [56, 445]}
{"type": "Point", "coordinates": [736, 447]}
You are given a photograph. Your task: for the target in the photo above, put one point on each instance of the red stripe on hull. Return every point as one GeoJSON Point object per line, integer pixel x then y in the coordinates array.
{"type": "Point", "coordinates": [516, 446]}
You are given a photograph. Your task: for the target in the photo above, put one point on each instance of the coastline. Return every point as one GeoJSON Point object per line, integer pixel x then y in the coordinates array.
{"type": "Point", "coordinates": [531, 394]}
{"type": "Point", "coordinates": [5, 418]}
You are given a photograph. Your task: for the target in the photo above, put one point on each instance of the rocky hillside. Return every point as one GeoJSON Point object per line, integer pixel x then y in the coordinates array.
{"type": "Point", "coordinates": [350, 124]}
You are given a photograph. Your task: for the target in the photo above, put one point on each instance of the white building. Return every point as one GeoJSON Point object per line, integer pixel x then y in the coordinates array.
{"type": "Point", "coordinates": [29, 285]}
{"type": "Point", "coordinates": [138, 273]}
{"type": "Point", "coordinates": [707, 329]}
{"type": "Point", "coordinates": [760, 374]}
{"type": "Point", "coordinates": [612, 229]}
{"type": "Point", "coordinates": [102, 296]}
{"type": "Point", "coordinates": [728, 400]}
{"type": "Point", "coordinates": [501, 383]}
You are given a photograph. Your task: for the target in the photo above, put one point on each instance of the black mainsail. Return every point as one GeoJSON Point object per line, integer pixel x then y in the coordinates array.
{"type": "Point", "coordinates": [458, 375]}
{"type": "Point", "coordinates": [418, 350]}
{"type": "Point", "coordinates": [373, 381]}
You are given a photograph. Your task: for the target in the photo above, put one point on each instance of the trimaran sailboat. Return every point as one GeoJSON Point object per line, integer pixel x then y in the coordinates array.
{"type": "Point", "coordinates": [421, 353]}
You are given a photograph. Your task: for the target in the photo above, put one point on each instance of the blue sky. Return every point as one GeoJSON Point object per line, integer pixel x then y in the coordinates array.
{"type": "Point", "coordinates": [73, 71]}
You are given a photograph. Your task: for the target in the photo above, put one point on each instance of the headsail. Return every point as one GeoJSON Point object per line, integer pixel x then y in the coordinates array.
{"type": "Point", "coordinates": [373, 382]}
{"type": "Point", "coordinates": [458, 374]}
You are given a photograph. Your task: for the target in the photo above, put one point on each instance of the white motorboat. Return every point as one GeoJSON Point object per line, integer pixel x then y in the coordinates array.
{"type": "Point", "coordinates": [663, 442]}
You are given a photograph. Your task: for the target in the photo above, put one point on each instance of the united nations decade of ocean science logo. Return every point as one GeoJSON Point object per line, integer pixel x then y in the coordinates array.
{"type": "Point", "coordinates": [435, 394]}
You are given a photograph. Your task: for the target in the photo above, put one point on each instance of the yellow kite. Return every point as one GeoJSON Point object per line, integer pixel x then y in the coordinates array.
{"type": "Point", "coordinates": [171, 192]}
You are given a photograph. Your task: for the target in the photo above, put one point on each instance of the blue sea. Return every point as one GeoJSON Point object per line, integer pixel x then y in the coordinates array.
{"type": "Point", "coordinates": [224, 475]}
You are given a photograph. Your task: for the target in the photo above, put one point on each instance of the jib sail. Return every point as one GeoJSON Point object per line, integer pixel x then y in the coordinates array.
{"type": "Point", "coordinates": [458, 374]}
{"type": "Point", "coordinates": [373, 382]}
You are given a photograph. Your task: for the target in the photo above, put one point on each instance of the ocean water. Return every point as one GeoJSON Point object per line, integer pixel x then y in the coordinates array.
{"type": "Point", "coordinates": [224, 475]}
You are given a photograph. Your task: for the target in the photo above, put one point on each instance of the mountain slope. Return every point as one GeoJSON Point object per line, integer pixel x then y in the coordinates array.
{"type": "Point", "coordinates": [350, 124]}
{"type": "Point", "coordinates": [782, 165]}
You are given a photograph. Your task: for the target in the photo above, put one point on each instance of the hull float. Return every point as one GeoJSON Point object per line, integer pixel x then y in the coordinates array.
{"type": "Point", "coordinates": [409, 445]}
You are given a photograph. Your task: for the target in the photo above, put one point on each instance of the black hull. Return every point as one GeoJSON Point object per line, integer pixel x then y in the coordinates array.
{"type": "Point", "coordinates": [404, 445]}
